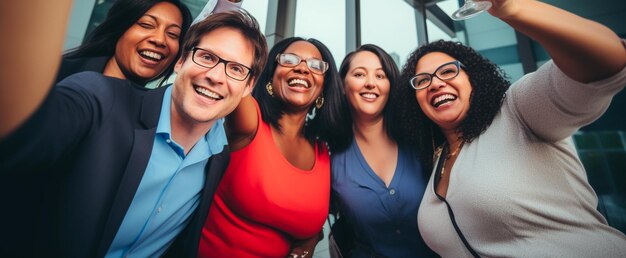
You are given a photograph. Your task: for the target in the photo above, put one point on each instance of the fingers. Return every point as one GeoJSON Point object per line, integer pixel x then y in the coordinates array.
{"type": "Point", "coordinates": [505, 8]}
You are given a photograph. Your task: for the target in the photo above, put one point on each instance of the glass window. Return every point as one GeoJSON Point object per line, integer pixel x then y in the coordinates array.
{"type": "Point", "coordinates": [434, 32]}
{"type": "Point", "coordinates": [195, 6]}
{"type": "Point", "coordinates": [79, 19]}
{"type": "Point", "coordinates": [258, 9]}
{"type": "Point", "coordinates": [390, 25]}
{"type": "Point", "coordinates": [325, 21]}
{"type": "Point", "coordinates": [98, 15]}
{"type": "Point", "coordinates": [448, 6]}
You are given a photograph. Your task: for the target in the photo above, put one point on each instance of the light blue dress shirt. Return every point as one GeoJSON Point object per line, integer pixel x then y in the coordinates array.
{"type": "Point", "coordinates": [169, 191]}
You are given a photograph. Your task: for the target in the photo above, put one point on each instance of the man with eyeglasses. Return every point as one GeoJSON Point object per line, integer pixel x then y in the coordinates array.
{"type": "Point", "coordinates": [134, 169]}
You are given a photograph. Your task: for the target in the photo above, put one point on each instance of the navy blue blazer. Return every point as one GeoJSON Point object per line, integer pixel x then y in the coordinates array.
{"type": "Point", "coordinates": [69, 174]}
{"type": "Point", "coordinates": [71, 66]}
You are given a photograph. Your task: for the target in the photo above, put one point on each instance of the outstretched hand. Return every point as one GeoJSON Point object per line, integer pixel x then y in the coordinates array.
{"type": "Point", "coordinates": [505, 8]}
{"type": "Point", "coordinates": [31, 54]}
{"type": "Point", "coordinates": [583, 49]}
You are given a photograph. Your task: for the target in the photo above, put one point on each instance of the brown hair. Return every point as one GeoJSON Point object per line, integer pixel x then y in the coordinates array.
{"type": "Point", "coordinates": [240, 20]}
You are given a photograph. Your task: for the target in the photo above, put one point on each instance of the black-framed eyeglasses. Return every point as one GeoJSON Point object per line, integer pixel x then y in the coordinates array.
{"type": "Point", "coordinates": [207, 59]}
{"type": "Point", "coordinates": [291, 60]}
{"type": "Point", "coordinates": [444, 72]}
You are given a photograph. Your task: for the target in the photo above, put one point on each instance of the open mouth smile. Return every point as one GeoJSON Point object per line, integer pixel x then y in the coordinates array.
{"type": "Point", "coordinates": [150, 55]}
{"type": "Point", "coordinates": [207, 93]}
{"type": "Point", "coordinates": [369, 95]}
{"type": "Point", "coordinates": [442, 99]}
{"type": "Point", "coordinates": [298, 83]}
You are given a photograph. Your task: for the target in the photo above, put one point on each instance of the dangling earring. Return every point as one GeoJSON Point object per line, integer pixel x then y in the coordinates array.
{"type": "Point", "coordinates": [269, 89]}
{"type": "Point", "coordinates": [310, 116]}
{"type": "Point", "coordinates": [319, 102]}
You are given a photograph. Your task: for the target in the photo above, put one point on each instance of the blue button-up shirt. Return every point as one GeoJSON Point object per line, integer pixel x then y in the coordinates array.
{"type": "Point", "coordinates": [169, 191]}
{"type": "Point", "coordinates": [383, 218]}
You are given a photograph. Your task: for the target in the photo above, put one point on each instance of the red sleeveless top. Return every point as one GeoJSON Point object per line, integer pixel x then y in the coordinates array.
{"type": "Point", "coordinates": [263, 202]}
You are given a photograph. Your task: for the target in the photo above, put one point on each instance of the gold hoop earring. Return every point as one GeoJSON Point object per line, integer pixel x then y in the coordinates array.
{"type": "Point", "coordinates": [319, 102]}
{"type": "Point", "coordinates": [269, 89]}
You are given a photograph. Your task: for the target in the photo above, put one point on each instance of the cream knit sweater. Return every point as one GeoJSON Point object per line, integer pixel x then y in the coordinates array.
{"type": "Point", "coordinates": [519, 189]}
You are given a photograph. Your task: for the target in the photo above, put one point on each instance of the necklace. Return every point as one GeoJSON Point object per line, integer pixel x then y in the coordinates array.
{"type": "Point", "coordinates": [455, 152]}
{"type": "Point", "coordinates": [448, 156]}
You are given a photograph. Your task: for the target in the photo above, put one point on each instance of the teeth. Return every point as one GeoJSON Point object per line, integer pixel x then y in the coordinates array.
{"type": "Point", "coordinates": [369, 95]}
{"type": "Point", "coordinates": [207, 93]}
{"type": "Point", "coordinates": [299, 81]}
{"type": "Point", "coordinates": [152, 55]}
{"type": "Point", "coordinates": [442, 99]}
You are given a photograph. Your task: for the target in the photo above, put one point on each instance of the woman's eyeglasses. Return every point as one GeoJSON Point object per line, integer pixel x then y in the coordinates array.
{"type": "Point", "coordinates": [444, 72]}
{"type": "Point", "coordinates": [291, 60]}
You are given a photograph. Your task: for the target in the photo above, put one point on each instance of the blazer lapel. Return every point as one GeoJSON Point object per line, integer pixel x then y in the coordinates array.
{"type": "Point", "coordinates": [143, 139]}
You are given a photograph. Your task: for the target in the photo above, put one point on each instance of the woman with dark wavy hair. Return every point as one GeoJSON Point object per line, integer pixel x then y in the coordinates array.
{"type": "Point", "coordinates": [377, 182]}
{"type": "Point", "coordinates": [506, 178]}
{"type": "Point", "coordinates": [139, 40]}
{"type": "Point", "coordinates": [273, 198]}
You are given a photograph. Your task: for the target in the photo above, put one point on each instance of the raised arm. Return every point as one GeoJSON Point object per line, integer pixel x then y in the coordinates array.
{"type": "Point", "coordinates": [241, 125]}
{"type": "Point", "coordinates": [584, 50]}
{"type": "Point", "coordinates": [588, 70]}
{"type": "Point", "coordinates": [29, 58]}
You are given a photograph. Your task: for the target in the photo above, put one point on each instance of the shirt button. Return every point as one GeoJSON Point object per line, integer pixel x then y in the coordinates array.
{"type": "Point", "coordinates": [159, 210]}
{"type": "Point", "coordinates": [168, 141]}
{"type": "Point", "coordinates": [392, 191]}
{"type": "Point", "coordinates": [398, 232]}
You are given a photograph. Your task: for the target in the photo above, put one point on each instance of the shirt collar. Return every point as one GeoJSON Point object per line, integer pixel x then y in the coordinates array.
{"type": "Point", "coordinates": [164, 126]}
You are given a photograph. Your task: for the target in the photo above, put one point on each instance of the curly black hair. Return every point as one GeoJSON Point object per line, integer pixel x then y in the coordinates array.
{"type": "Point", "coordinates": [489, 86]}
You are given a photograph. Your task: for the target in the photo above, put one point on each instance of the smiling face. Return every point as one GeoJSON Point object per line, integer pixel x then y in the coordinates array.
{"type": "Point", "coordinates": [149, 46]}
{"type": "Point", "coordinates": [297, 86]}
{"type": "Point", "coordinates": [366, 85]}
{"type": "Point", "coordinates": [445, 102]}
{"type": "Point", "coordinates": [202, 95]}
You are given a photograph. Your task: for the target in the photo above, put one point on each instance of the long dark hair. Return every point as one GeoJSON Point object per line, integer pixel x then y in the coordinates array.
{"type": "Point", "coordinates": [122, 15]}
{"type": "Point", "coordinates": [326, 125]}
{"type": "Point", "coordinates": [489, 86]}
{"type": "Point", "coordinates": [392, 73]}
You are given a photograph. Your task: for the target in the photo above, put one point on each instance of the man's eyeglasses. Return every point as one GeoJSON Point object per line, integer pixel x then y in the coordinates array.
{"type": "Point", "coordinates": [207, 59]}
{"type": "Point", "coordinates": [291, 60]}
{"type": "Point", "coordinates": [444, 72]}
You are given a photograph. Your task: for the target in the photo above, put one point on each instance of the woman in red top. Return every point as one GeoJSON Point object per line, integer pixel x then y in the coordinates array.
{"type": "Point", "coordinates": [273, 199]}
